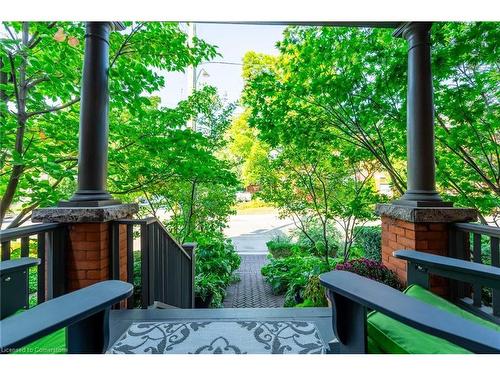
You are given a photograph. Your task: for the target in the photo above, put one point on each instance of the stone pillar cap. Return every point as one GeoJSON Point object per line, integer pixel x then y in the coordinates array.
{"type": "Point", "coordinates": [427, 214]}
{"type": "Point", "coordinates": [84, 214]}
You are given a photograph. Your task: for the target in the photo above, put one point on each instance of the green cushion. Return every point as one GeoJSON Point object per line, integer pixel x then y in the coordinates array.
{"type": "Point", "coordinates": [391, 336]}
{"type": "Point", "coordinates": [55, 343]}
{"type": "Point", "coordinates": [373, 347]}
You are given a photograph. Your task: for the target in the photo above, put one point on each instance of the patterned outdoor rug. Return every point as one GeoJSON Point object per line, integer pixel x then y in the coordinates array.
{"type": "Point", "coordinates": [220, 337]}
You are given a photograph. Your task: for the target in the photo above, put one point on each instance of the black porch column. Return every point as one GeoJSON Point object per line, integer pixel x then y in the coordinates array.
{"type": "Point", "coordinates": [94, 104]}
{"type": "Point", "coordinates": [421, 174]}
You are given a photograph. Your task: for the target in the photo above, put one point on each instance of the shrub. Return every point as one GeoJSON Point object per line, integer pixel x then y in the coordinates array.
{"type": "Point", "coordinates": [254, 203]}
{"type": "Point", "coordinates": [280, 246]}
{"type": "Point", "coordinates": [137, 279]}
{"type": "Point", "coordinates": [306, 303]}
{"type": "Point", "coordinates": [370, 241]}
{"type": "Point", "coordinates": [208, 286]}
{"type": "Point", "coordinates": [216, 260]}
{"type": "Point", "coordinates": [314, 293]}
{"type": "Point", "coordinates": [283, 272]}
{"type": "Point", "coordinates": [373, 270]}
{"type": "Point", "coordinates": [290, 275]}
{"type": "Point", "coordinates": [314, 240]}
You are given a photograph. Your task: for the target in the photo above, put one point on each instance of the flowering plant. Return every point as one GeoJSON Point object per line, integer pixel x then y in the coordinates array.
{"type": "Point", "coordinates": [371, 269]}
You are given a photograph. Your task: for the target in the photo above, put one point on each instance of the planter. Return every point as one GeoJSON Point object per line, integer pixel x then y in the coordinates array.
{"type": "Point", "coordinates": [298, 298]}
{"type": "Point", "coordinates": [200, 303]}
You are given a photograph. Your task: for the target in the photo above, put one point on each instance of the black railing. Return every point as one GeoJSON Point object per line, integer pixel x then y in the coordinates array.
{"type": "Point", "coordinates": [480, 244]}
{"type": "Point", "coordinates": [46, 242]}
{"type": "Point", "coordinates": [166, 267]}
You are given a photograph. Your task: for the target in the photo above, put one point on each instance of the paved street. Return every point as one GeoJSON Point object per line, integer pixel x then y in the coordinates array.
{"type": "Point", "coordinates": [250, 233]}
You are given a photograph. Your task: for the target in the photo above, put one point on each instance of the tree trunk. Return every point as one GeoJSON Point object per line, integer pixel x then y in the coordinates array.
{"type": "Point", "coordinates": [20, 86]}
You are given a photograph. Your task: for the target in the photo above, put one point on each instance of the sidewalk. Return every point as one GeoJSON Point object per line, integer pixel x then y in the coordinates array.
{"type": "Point", "coordinates": [252, 290]}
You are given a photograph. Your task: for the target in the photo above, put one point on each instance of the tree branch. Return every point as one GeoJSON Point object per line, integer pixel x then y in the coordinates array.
{"type": "Point", "coordinates": [54, 109]}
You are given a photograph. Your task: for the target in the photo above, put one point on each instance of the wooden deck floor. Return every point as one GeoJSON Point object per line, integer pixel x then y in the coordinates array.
{"type": "Point", "coordinates": [321, 317]}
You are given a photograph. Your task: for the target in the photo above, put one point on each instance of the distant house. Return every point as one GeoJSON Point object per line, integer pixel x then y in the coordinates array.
{"type": "Point", "coordinates": [252, 188]}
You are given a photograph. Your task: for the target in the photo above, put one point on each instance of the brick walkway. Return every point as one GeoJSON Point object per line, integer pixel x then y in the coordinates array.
{"type": "Point", "coordinates": [252, 290]}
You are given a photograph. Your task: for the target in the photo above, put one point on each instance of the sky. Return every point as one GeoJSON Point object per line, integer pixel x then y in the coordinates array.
{"type": "Point", "coordinates": [233, 41]}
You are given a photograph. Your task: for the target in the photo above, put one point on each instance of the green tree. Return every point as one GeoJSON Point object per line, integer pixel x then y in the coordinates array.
{"type": "Point", "coordinates": [328, 86]}
{"type": "Point", "coordinates": [322, 188]}
{"type": "Point", "coordinates": [245, 149]}
{"type": "Point", "coordinates": [346, 87]}
{"type": "Point", "coordinates": [41, 70]}
{"type": "Point", "coordinates": [467, 92]}
{"type": "Point", "coordinates": [194, 185]}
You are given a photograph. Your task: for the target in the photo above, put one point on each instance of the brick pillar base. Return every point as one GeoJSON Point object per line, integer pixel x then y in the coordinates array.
{"type": "Point", "coordinates": [87, 259]}
{"type": "Point", "coordinates": [88, 253]}
{"type": "Point", "coordinates": [418, 228]}
{"type": "Point", "coordinates": [88, 256]}
{"type": "Point", "coordinates": [430, 238]}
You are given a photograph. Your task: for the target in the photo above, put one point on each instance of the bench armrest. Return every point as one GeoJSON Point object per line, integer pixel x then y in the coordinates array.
{"type": "Point", "coordinates": [85, 312]}
{"type": "Point", "coordinates": [421, 264]}
{"type": "Point", "coordinates": [19, 264]}
{"type": "Point", "coordinates": [352, 294]}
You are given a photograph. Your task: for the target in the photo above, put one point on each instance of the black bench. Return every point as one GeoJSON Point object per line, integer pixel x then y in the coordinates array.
{"type": "Point", "coordinates": [352, 295]}
{"type": "Point", "coordinates": [84, 312]}
{"type": "Point", "coordinates": [14, 288]}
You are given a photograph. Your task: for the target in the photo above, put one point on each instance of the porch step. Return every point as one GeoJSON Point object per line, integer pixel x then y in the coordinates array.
{"type": "Point", "coordinates": [161, 305]}
{"type": "Point", "coordinates": [221, 331]}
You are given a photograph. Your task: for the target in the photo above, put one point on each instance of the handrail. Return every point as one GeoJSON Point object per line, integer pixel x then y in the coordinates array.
{"type": "Point", "coordinates": [488, 230]}
{"type": "Point", "coordinates": [28, 230]}
{"type": "Point", "coordinates": [465, 242]}
{"type": "Point", "coordinates": [173, 239]}
{"type": "Point", "coordinates": [151, 220]}
{"type": "Point", "coordinates": [51, 241]}
{"type": "Point", "coordinates": [147, 220]}
{"type": "Point", "coordinates": [167, 267]}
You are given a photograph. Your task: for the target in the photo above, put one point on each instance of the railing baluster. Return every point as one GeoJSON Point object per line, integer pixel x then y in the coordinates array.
{"type": "Point", "coordinates": [167, 268]}
{"type": "Point", "coordinates": [58, 264]}
{"type": "Point", "coordinates": [479, 230]}
{"type": "Point", "coordinates": [130, 262]}
{"type": "Point", "coordinates": [160, 265]}
{"type": "Point", "coordinates": [144, 266]}
{"type": "Point", "coordinates": [192, 274]}
{"type": "Point", "coordinates": [51, 246]}
{"type": "Point", "coordinates": [178, 277]}
{"type": "Point", "coordinates": [114, 263]}
{"type": "Point", "coordinates": [460, 251]}
{"type": "Point", "coordinates": [173, 278]}
{"type": "Point", "coordinates": [41, 267]}
{"type": "Point", "coordinates": [162, 293]}
{"type": "Point", "coordinates": [180, 289]}
{"type": "Point", "coordinates": [170, 273]}
{"type": "Point", "coordinates": [50, 265]}
{"type": "Point", "coordinates": [6, 250]}
{"type": "Point", "coordinates": [25, 247]}
{"type": "Point", "coordinates": [495, 256]}
{"type": "Point", "coordinates": [168, 251]}
{"type": "Point", "coordinates": [495, 261]}
{"type": "Point", "coordinates": [156, 263]}
{"type": "Point", "coordinates": [476, 254]}
{"type": "Point", "coordinates": [152, 261]}
{"type": "Point", "coordinates": [184, 283]}
{"type": "Point", "coordinates": [114, 254]}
